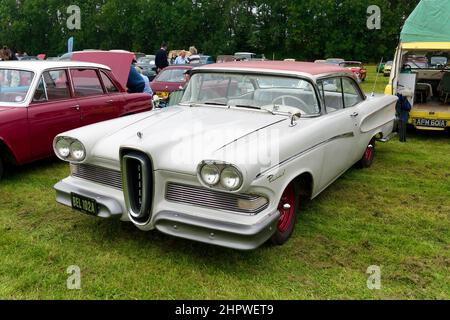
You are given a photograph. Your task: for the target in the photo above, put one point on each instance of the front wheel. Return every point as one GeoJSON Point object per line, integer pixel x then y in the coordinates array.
{"type": "Point", "coordinates": [1, 167]}
{"type": "Point", "coordinates": [288, 207]}
{"type": "Point", "coordinates": [367, 159]}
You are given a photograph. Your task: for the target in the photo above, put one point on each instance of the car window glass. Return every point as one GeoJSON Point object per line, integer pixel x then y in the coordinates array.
{"type": "Point", "coordinates": [39, 94]}
{"type": "Point", "coordinates": [56, 85]}
{"type": "Point", "coordinates": [86, 82]}
{"type": "Point", "coordinates": [331, 92]}
{"type": "Point", "coordinates": [109, 85]}
{"type": "Point", "coordinates": [351, 93]}
{"type": "Point", "coordinates": [171, 75]}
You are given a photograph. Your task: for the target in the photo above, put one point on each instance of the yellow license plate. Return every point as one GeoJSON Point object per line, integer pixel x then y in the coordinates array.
{"type": "Point", "coordinates": [162, 94]}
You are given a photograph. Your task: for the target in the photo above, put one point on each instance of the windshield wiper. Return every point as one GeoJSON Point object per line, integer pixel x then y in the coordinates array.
{"type": "Point", "coordinates": [246, 106]}
{"type": "Point", "coordinates": [213, 103]}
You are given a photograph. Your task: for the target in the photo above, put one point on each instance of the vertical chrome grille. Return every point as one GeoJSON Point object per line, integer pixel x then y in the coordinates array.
{"type": "Point", "coordinates": [137, 176]}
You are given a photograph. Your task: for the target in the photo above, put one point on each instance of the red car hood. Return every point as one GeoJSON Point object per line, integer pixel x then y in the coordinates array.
{"type": "Point", "coordinates": [119, 62]}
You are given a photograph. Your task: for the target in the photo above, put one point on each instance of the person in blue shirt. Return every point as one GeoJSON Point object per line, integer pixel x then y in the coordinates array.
{"type": "Point", "coordinates": [135, 83]}
{"type": "Point", "coordinates": [181, 59]}
{"type": "Point", "coordinates": [147, 88]}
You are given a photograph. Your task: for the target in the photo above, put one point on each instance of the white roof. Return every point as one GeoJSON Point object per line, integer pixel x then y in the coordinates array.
{"type": "Point", "coordinates": [38, 66]}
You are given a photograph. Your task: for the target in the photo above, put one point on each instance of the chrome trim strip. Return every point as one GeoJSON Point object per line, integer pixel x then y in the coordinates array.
{"type": "Point", "coordinates": [341, 136]}
{"type": "Point", "coordinates": [96, 174]}
{"type": "Point", "coordinates": [208, 198]}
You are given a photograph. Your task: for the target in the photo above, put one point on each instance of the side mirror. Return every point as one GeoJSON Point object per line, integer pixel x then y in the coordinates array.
{"type": "Point", "coordinates": [156, 101]}
{"type": "Point", "coordinates": [294, 117]}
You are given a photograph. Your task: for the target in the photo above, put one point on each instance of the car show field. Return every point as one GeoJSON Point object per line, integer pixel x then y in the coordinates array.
{"type": "Point", "coordinates": [395, 215]}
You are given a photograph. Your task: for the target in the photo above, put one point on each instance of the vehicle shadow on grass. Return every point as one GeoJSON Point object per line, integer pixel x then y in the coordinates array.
{"type": "Point", "coordinates": [14, 173]}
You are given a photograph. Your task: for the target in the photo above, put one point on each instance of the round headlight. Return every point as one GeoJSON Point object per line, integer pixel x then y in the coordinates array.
{"type": "Point", "coordinates": [210, 174]}
{"type": "Point", "coordinates": [62, 147]}
{"type": "Point", "coordinates": [77, 151]}
{"type": "Point", "coordinates": [231, 178]}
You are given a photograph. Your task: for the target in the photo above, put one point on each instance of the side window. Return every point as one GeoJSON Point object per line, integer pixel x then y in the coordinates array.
{"type": "Point", "coordinates": [331, 91]}
{"type": "Point", "coordinates": [56, 85]}
{"type": "Point", "coordinates": [351, 93]}
{"type": "Point", "coordinates": [109, 85]}
{"type": "Point", "coordinates": [86, 82]}
{"type": "Point", "coordinates": [40, 95]}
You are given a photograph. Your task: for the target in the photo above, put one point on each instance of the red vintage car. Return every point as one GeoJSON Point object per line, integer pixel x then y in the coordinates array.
{"type": "Point", "coordinates": [357, 69]}
{"type": "Point", "coordinates": [39, 99]}
{"type": "Point", "coordinates": [169, 80]}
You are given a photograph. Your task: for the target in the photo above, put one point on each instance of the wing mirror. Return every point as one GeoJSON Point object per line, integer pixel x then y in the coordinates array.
{"type": "Point", "coordinates": [294, 117]}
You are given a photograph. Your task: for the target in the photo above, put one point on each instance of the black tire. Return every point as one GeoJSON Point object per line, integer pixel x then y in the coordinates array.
{"type": "Point", "coordinates": [368, 156]}
{"type": "Point", "coordinates": [284, 230]}
{"type": "Point", "coordinates": [1, 167]}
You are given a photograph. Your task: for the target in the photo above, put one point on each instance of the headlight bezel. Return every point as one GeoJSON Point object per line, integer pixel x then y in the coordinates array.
{"type": "Point", "coordinates": [70, 142]}
{"type": "Point", "coordinates": [221, 166]}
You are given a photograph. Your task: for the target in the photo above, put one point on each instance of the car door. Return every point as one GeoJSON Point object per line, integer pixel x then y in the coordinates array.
{"type": "Point", "coordinates": [341, 129]}
{"type": "Point", "coordinates": [53, 110]}
{"type": "Point", "coordinates": [95, 103]}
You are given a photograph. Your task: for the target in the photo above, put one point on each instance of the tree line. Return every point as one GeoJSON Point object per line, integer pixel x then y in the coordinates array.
{"type": "Point", "coordinates": [300, 29]}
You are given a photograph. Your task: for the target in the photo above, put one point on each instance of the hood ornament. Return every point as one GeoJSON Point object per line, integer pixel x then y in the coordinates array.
{"type": "Point", "coordinates": [140, 135]}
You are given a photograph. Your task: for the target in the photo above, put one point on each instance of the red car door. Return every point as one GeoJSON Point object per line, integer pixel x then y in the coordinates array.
{"type": "Point", "coordinates": [95, 103]}
{"type": "Point", "coordinates": [52, 111]}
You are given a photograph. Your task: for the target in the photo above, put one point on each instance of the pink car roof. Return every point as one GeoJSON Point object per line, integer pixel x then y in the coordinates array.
{"type": "Point", "coordinates": [119, 62]}
{"type": "Point", "coordinates": [304, 67]}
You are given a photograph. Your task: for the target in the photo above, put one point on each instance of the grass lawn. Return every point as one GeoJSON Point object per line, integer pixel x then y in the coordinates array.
{"type": "Point", "coordinates": [395, 215]}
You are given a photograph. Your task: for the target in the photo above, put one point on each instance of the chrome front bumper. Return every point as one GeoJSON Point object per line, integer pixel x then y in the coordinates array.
{"type": "Point", "coordinates": [225, 234]}
{"type": "Point", "coordinates": [108, 207]}
{"type": "Point", "coordinates": [228, 234]}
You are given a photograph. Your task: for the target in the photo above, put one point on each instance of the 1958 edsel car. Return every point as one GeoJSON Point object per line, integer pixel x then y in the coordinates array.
{"type": "Point", "coordinates": [229, 164]}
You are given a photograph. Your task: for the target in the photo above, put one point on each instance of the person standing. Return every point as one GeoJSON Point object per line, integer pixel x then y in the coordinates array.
{"type": "Point", "coordinates": [181, 59]}
{"type": "Point", "coordinates": [402, 108]}
{"type": "Point", "coordinates": [194, 57]}
{"type": "Point", "coordinates": [161, 59]}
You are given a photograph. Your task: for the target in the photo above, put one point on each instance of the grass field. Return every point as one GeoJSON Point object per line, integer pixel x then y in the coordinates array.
{"type": "Point", "coordinates": [395, 215]}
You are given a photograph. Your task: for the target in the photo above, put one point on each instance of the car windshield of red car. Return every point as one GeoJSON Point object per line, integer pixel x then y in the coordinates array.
{"type": "Point", "coordinates": [14, 85]}
{"type": "Point", "coordinates": [171, 75]}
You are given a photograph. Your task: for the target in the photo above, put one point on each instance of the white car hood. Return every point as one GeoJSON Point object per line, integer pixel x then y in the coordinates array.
{"type": "Point", "coordinates": [178, 138]}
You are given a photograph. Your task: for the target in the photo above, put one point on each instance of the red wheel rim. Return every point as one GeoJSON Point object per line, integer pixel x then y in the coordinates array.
{"type": "Point", "coordinates": [369, 152]}
{"type": "Point", "coordinates": [286, 214]}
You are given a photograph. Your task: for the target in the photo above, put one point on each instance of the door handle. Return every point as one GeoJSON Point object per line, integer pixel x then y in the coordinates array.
{"type": "Point", "coordinates": [354, 114]}
{"type": "Point", "coordinates": [77, 107]}
{"type": "Point", "coordinates": [110, 101]}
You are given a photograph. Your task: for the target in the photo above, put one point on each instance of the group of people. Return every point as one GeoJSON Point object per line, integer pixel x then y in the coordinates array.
{"type": "Point", "coordinates": [7, 54]}
{"type": "Point", "coordinates": [184, 57]}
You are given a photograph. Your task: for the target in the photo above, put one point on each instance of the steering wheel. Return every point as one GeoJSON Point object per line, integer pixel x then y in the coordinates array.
{"type": "Point", "coordinates": [303, 105]}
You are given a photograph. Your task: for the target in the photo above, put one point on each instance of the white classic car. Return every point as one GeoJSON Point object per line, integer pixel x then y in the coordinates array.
{"type": "Point", "coordinates": [230, 163]}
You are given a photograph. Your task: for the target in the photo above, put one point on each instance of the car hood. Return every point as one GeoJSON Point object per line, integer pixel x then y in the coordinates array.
{"type": "Point", "coordinates": [179, 138]}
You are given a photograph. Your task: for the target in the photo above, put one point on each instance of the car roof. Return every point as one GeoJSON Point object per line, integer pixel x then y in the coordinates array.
{"type": "Point", "coordinates": [308, 68]}
{"type": "Point", "coordinates": [39, 65]}
{"type": "Point", "coordinates": [182, 66]}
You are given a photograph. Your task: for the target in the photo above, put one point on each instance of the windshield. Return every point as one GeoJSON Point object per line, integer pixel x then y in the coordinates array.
{"type": "Point", "coordinates": [252, 91]}
{"type": "Point", "coordinates": [171, 75]}
{"type": "Point", "coordinates": [14, 85]}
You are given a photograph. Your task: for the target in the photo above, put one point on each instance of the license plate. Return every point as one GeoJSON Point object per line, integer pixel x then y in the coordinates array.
{"type": "Point", "coordinates": [84, 204]}
{"type": "Point", "coordinates": [162, 95]}
{"type": "Point", "coordinates": [431, 123]}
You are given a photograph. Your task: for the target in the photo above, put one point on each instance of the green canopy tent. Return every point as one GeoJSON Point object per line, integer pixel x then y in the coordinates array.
{"type": "Point", "coordinates": [429, 22]}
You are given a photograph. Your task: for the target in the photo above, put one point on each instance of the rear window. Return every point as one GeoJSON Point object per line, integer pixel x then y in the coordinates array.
{"type": "Point", "coordinates": [171, 75]}
{"type": "Point", "coordinates": [14, 85]}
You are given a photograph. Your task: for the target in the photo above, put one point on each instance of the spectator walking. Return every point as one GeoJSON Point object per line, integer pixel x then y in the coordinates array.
{"type": "Point", "coordinates": [161, 59]}
{"type": "Point", "coordinates": [181, 59]}
{"type": "Point", "coordinates": [194, 57]}
{"type": "Point", "coordinates": [402, 109]}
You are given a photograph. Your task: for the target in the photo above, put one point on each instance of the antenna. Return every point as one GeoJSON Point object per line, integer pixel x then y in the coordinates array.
{"type": "Point", "coordinates": [376, 79]}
